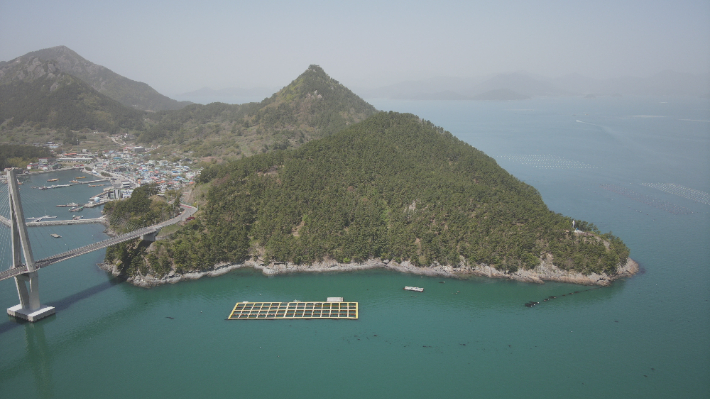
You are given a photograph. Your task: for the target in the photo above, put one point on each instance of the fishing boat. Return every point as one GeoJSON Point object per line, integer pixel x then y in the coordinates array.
{"type": "Point", "coordinates": [81, 177]}
{"type": "Point", "coordinates": [51, 180]}
{"type": "Point", "coordinates": [417, 289]}
{"type": "Point", "coordinates": [77, 209]}
{"type": "Point", "coordinates": [55, 235]}
{"type": "Point", "coordinates": [77, 217]}
{"type": "Point", "coordinates": [74, 181]}
{"type": "Point", "coordinates": [69, 205]}
{"type": "Point", "coordinates": [55, 186]}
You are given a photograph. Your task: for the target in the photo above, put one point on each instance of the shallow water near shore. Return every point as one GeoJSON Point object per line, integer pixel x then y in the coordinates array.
{"type": "Point", "coordinates": [644, 336]}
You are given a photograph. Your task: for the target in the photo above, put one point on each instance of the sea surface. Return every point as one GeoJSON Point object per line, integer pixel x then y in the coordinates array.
{"type": "Point", "coordinates": [639, 167]}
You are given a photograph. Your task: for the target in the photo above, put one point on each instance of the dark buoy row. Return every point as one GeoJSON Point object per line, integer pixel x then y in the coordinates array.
{"type": "Point", "coordinates": [551, 297]}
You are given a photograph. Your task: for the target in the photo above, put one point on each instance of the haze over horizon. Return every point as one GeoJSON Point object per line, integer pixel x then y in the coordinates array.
{"type": "Point", "coordinates": [177, 48]}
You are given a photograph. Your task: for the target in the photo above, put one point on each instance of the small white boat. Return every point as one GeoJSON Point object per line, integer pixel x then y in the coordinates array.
{"type": "Point", "coordinates": [417, 289]}
{"type": "Point", "coordinates": [55, 235]}
{"type": "Point", "coordinates": [41, 218]}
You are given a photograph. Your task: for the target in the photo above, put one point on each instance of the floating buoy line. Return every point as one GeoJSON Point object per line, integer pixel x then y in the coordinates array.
{"type": "Point", "coordinates": [531, 304]}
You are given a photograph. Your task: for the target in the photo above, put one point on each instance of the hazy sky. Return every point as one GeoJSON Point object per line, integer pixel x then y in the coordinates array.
{"type": "Point", "coordinates": [177, 46]}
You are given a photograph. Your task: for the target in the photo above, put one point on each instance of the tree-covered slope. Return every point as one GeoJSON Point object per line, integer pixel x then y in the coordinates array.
{"type": "Point", "coordinates": [128, 92]}
{"type": "Point", "coordinates": [18, 156]}
{"type": "Point", "coordinates": [312, 106]}
{"type": "Point", "coordinates": [391, 187]}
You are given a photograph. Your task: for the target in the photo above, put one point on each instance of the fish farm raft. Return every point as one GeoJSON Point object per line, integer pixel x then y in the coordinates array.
{"type": "Point", "coordinates": [294, 310]}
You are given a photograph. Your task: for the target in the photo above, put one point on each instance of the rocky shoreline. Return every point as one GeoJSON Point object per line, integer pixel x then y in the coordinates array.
{"type": "Point", "coordinates": [545, 271]}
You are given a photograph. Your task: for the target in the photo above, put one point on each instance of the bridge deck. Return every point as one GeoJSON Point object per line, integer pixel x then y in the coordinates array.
{"type": "Point", "coordinates": [16, 271]}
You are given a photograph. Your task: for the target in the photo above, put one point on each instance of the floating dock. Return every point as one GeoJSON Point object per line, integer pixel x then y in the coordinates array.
{"type": "Point", "coordinates": [294, 310]}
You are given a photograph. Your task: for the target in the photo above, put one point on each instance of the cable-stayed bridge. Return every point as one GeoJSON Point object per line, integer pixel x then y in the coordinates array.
{"type": "Point", "coordinates": [25, 274]}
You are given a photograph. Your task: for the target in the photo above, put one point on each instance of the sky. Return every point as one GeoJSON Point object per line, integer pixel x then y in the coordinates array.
{"type": "Point", "coordinates": [179, 46]}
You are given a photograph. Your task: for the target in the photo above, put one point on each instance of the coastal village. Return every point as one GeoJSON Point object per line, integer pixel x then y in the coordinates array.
{"type": "Point", "coordinates": [120, 169]}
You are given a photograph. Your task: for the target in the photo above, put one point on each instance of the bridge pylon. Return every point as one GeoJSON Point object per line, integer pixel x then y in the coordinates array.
{"type": "Point", "coordinates": [27, 284]}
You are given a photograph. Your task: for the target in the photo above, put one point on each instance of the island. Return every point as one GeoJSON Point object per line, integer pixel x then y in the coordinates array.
{"type": "Point", "coordinates": [393, 191]}
{"type": "Point", "coordinates": [312, 178]}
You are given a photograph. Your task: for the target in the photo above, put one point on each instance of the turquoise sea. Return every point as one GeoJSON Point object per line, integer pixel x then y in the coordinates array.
{"type": "Point", "coordinates": [639, 167]}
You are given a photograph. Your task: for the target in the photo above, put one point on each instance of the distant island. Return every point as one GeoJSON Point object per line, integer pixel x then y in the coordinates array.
{"type": "Point", "coordinates": [665, 83]}
{"type": "Point", "coordinates": [500, 95]}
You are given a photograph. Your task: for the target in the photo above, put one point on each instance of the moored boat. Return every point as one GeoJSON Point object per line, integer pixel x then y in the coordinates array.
{"type": "Point", "coordinates": [417, 289]}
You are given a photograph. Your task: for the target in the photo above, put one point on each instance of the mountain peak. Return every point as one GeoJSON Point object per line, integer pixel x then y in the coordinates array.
{"type": "Point", "coordinates": [315, 76]}
{"type": "Point", "coordinates": [316, 68]}
{"type": "Point", "coordinates": [128, 92]}
{"type": "Point", "coordinates": [53, 53]}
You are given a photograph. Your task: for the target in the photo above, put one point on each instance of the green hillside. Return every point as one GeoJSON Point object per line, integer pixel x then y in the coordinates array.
{"type": "Point", "coordinates": [312, 106]}
{"type": "Point", "coordinates": [63, 101]}
{"type": "Point", "coordinates": [391, 187]}
{"type": "Point", "coordinates": [18, 156]}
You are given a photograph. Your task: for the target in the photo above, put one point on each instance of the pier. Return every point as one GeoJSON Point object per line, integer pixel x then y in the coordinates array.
{"type": "Point", "coordinates": [294, 310]}
{"type": "Point", "coordinates": [67, 222]}
{"type": "Point", "coordinates": [101, 219]}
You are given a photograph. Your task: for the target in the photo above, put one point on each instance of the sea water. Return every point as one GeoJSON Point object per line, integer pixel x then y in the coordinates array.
{"type": "Point", "coordinates": [639, 167]}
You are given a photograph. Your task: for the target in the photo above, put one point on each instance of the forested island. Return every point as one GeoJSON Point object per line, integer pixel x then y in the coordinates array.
{"type": "Point", "coordinates": [392, 190]}
{"type": "Point", "coordinates": [311, 178]}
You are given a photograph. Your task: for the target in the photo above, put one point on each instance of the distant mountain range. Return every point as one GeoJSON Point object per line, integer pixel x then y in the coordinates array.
{"type": "Point", "coordinates": [516, 86]}
{"type": "Point", "coordinates": [231, 95]}
{"type": "Point", "coordinates": [56, 89]}
{"type": "Point", "coordinates": [313, 106]}
{"type": "Point", "coordinates": [128, 92]}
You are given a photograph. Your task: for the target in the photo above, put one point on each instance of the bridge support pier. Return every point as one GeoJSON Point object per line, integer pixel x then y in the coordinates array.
{"type": "Point", "coordinates": [27, 284]}
{"type": "Point", "coordinates": [150, 237]}
{"type": "Point", "coordinates": [29, 308]}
